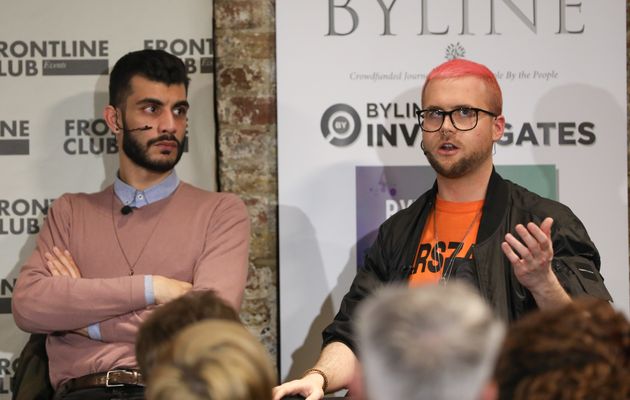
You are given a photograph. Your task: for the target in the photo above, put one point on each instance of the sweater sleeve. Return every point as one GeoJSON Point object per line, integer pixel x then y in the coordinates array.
{"type": "Point", "coordinates": [223, 263]}
{"type": "Point", "coordinates": [124, 328]}
{"type": "Point", "coordinates": [43, 303]}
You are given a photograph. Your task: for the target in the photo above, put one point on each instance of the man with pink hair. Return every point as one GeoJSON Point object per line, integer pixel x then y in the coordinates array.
{"type": "Point", "coordinates": [521, 251]}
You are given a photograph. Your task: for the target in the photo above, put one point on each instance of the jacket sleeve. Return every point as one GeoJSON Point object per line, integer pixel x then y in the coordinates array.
{"type": "Point", "coordinates": [366, 281]}
{"type": "Point", "coordinates": [43, 303]}
{"type": "Point", "coordinates": [576, 260]}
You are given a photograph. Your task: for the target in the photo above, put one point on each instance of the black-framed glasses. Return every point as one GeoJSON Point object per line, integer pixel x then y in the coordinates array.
{"type": "Point", "coordinates": [462, 118]}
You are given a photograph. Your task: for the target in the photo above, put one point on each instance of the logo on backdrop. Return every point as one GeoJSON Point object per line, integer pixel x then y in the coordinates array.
{"type": "Point", "coordinates": [7, 370]}
{"type": "Point", "coordinates": [455, 50]}
{"type": "Point", "coordinates": [499, 18]}
{"type": "Point", "coordinates": [88, 136]}
{"type": "Point", "coordinates": [22, 216]}
{"type": "Point", "coordinates": [14, 137]}
{"type": "Point", "coordinates": [197, 54]}
{"type": "Point", "coordinates": [395, 125]}
{"type": "Point", "coordinates": [340, 125]}
{"type": "Point", "coordinates": [6, 291]}
{"type": "Point", "coordinates": [53, 57]}
{"type": "Point", "coordinates": [92, 136]}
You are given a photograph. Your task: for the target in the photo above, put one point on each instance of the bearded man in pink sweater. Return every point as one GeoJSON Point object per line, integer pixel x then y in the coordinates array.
{"type": "Point", "coordinates": [105, 260]}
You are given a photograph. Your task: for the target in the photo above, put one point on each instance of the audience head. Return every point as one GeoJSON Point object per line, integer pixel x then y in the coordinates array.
{"type": "Point", "coordinates": [578, 352]}
{"type": "Point", "coordinates": [154, 65]}
{"type": "Point", "coordinates": [431, 342]}
{"type": "Point", "coordinates": [162, 325]}
{"type": "Point", "coordinates": [213, 360]}
{"type": "Point", "coordinates": [460, 68]}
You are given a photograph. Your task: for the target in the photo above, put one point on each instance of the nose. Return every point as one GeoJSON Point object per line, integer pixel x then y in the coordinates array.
{"type": "Point", "coordinates": [167, 123]}
{"type": "Point", "coordinates": [447, 126]}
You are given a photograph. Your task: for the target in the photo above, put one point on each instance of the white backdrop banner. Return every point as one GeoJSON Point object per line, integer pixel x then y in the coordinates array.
{"type": "Point", "coordinates": [54, 63]}
{"type": "Point", "coordinates": [349, 73]}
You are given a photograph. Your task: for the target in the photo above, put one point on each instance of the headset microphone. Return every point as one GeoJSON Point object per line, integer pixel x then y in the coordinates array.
{"type": "Point", "coordinates": [126, 210]}
{"type": "Point", "coordinates": [143, 128]}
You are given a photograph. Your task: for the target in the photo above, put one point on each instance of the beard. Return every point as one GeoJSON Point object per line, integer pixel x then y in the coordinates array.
{"type": "Point", "coordinates": [461, 167]}
{"type": "Point", "coordinates": [139, 153]}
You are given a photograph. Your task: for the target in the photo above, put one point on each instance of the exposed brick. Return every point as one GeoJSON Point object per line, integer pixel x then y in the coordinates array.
{"type": "Point", "coordinates": [240, 180]}
{"type": "Point", "coordinates": [246, 45]}
{"type": "Point", "coordinates": [250, 144]}
{"type": "Point", "coordinates": [257, 76]}
{"type": "Point", "coordinates": [252, 14]}
{"type": "Point", "coordinates": [246, 104]}
{"type": "Point", "coordinates": [259, 310]}
{"type": "Point", "coordinates": [264, 227]}
{"type": "Point", "coordinates": [254, 110]}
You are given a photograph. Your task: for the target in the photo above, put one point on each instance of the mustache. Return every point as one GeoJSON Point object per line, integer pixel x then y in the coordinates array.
{"type": "Point", "coordinates": [163, 138]}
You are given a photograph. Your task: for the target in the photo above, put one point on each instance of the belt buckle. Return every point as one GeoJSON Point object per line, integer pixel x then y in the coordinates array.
{"type": "Point", "coordinates": [107, 384]}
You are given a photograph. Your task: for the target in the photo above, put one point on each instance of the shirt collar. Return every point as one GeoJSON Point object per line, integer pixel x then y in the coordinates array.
{"type": "Point", "coordinates": [132, 197]}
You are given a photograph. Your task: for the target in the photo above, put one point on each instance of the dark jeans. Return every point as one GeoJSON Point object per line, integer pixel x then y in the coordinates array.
{"type": "Point", "coordinates": [104, 393]}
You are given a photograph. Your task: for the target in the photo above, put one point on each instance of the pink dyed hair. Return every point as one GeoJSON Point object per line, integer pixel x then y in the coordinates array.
{"type": "Point", "coordinates": [459, 68]}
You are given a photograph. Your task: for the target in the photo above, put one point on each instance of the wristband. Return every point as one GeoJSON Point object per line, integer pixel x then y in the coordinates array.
{"type": "Point", "coordinates": [319, 372]}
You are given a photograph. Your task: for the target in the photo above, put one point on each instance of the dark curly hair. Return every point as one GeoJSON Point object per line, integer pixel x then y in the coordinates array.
{"type": "Point", "coordinates": [578, 352]}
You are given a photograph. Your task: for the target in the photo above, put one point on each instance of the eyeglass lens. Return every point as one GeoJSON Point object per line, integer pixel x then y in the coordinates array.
{"type": "Point", "coordinates": [462, 119]}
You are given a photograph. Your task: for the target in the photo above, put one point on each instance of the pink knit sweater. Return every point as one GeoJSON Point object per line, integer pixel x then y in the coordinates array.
{"type": "Point", "coordinates": [192, 235]}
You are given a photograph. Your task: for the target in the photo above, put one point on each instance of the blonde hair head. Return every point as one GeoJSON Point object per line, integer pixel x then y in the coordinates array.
{"type": "Point", "coordinates": [213, 360]}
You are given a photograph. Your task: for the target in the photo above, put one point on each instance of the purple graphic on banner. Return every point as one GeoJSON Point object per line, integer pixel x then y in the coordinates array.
{"type": "Point", "coordinates": [383, 191]}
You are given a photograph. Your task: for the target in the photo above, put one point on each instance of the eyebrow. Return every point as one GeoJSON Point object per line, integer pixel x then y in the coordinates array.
{"type": "Point", "coordinates": [182, 103]}
{"type": "Point", "coordinates": [455, 107]}
{"type": "Point", "coordinates": [151, 100]}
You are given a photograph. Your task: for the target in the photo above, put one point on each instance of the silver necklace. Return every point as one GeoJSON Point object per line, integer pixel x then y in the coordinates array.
{"type": "Point", "coordinates": [130, 265]}
{"type": "Point", "coordinates": [448, 269]}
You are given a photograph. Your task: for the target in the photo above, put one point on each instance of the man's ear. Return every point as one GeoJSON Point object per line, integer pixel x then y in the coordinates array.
{"type": "Point", "coordinates": [498, 127]}
{"type": "Point", "coordinates": [111, 115]}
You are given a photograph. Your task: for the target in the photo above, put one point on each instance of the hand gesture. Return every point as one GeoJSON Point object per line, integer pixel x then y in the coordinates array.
{"type": "Point", "coordinates": [531, 258]}
{"type": "Point", "coordinates": [309, 386]}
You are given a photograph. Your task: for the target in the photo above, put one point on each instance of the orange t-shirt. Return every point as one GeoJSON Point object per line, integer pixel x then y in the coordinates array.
{"type": "Point", "coordinates": [457, 225]}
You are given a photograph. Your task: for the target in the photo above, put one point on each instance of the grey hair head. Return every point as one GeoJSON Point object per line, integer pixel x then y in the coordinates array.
{"type": "Point", "coordinates": [432, 342]}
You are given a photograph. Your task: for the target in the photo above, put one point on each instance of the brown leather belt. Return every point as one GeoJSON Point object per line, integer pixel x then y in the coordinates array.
{"type": "Point", "coordinates": [113, 378]}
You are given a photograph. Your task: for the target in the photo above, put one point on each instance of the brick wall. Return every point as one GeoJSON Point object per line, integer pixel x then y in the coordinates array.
{"type": "Point", "coordinates": [246, 115]}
